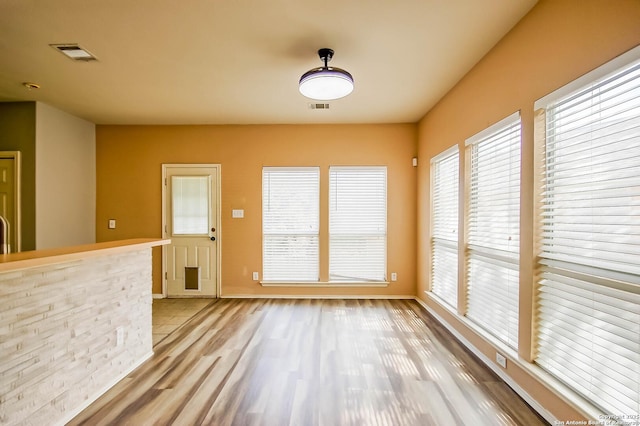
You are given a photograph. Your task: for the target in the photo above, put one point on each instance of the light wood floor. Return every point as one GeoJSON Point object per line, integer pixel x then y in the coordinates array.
{"type": "Point", "coordinates": [310, 362]}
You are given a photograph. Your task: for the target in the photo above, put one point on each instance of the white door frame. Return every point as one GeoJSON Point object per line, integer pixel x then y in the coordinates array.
{"type": "Point", "coordinates": [218, 224]}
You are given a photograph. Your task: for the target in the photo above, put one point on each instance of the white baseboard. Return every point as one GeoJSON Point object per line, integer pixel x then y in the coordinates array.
{"type": "Point", "coordinates": [73, 413]}
{"type": "Point", "coordinates": [501, 373]}
{"type": "Point", "coordinates": [158, 296]}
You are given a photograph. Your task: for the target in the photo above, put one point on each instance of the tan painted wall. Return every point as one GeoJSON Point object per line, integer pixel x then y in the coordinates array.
{"type": "Point", "coordinates": [558, 41]}
{"type": "Point", "coordinates": [65, 179]}
{"type": "Point", "coordinates": [129, 160]}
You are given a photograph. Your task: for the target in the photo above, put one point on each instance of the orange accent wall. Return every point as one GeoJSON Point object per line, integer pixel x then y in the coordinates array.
{"type": "Point", "coordinates": [556, 42]}
{"type": "Point", "coordinates": [129, 170]}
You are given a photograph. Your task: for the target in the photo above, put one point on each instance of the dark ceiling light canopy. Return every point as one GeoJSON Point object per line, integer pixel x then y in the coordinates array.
{"type": "Point", "coordinates": [326, 83]}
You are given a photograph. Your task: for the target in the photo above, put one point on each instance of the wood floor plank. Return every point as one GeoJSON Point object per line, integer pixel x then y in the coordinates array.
{"type": "Point", "coordinates": [310, 362]}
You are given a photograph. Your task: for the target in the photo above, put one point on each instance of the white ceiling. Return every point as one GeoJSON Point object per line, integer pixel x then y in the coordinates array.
{"type": "Point", "coordinates": [239, 61]}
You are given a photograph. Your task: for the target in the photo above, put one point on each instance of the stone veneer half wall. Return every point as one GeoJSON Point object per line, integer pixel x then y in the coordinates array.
{"type": "Point", "coordinates": [69, 331]}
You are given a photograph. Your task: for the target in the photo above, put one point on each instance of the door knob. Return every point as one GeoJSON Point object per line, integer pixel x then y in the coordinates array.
{"type": "Point", "coordinates": [213, 238]}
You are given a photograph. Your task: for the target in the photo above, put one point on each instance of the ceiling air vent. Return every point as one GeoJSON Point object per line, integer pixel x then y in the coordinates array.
{"type": "Point", "coordinates": [318, 106]}
{"type": "Point", "coordinates": [75, 52]}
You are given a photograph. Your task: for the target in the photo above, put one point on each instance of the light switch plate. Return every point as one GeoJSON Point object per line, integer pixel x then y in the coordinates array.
{"type": "Point", "coordinates": [237, 213]}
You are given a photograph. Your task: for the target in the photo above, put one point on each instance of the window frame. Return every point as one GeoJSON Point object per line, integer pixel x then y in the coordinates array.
{"type": "Point", "coordinates": [268, 236]}
{"type": "Point", "coordinates": [441, 247]}
{"type": "Point", "coordinates": [485, 256]}
{"type": "Point", "coordinates": [567, 286]}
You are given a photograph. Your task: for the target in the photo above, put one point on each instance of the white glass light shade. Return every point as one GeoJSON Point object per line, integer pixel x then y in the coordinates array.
{"type": "Point", "coordinates": [326, 83]}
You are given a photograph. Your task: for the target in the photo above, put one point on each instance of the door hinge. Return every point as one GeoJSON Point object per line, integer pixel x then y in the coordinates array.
{"type": "Point", "coordinates": [165, 181]}
{"type": "Point", "coordinates": [166, 276]}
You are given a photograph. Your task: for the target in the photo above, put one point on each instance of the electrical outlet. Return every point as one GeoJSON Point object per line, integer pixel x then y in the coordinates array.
{"type": "Point", "coordinates": [112, 224]}
{"type": "Point", "coordinates": [256, 276]}
{"type": "Point", "coordinates": [394, 276]}
{"type": "Point", "coordinates": [501, 360]}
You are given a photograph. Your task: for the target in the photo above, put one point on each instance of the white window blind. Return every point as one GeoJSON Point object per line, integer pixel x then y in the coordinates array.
{"type": "Point", "coordinates": [444, 218]}
{"type": "Point", "coordinates": [357, 223]}
{"type": "Point", "coordinates": [190, 205]}
{"type": "Point", "coordinates": [494, 229]}
{"type": "Point", "coordinates": [588, 309]}
{"type": "Point", "coordinates": [290, 218]}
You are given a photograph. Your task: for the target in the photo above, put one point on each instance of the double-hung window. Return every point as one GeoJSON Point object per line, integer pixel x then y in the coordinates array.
{"type": "Point", "coordinates": [357, 223]}
{"type": "Point", "coordinates": [588, 306]}
{"type": "Point", "coordinates": [493, 235]}
{"type": "Point", "coordinates": [444, 219]}
{"type": "Point", "coordinates": [290, 223]}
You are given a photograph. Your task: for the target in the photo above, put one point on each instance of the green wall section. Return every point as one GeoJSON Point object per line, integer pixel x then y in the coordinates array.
{"type": "Point", "coordinates": [18, 133]}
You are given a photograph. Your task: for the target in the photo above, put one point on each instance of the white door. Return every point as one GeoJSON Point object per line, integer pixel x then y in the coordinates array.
{"type": "Point", "coordinates": [191, 222]}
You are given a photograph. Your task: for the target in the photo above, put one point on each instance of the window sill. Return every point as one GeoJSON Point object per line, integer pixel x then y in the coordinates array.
{"type": "Point", "coordinates": [326, 284]}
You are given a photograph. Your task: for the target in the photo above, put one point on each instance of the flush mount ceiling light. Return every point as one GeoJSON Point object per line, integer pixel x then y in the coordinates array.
{"type": "Point", "coordinates": [326, 83]}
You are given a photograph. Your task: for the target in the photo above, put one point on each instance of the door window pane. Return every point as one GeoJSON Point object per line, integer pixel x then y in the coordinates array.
{"type": "Point", "coordinates": [190, 205]}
